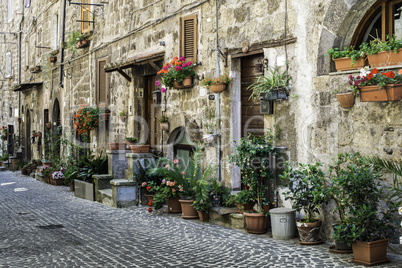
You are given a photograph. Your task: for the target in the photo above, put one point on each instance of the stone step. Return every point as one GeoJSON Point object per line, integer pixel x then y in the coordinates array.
{"type": "Point", "coordinates": [105, 196]}
{"type": "Point", "coordinates": [3, 168]}
{"type": "Point", "coordinates": [124, 193]}
{"type": "Point", "coordinates": [233, 220]}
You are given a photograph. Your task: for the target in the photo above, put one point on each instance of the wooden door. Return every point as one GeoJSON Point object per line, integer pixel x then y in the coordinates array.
{"type": "Point", "coordinates": [150, 109]}
{"type": "Point", "coordinates": [251, 120]}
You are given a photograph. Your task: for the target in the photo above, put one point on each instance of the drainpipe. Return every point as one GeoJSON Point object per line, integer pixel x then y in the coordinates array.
{"type": "Point", "coordinates": [63, 28]}
{"type": "Point", "coordinates": [19, 66]}
{"type": "Point", "coordinates": [218, 108]}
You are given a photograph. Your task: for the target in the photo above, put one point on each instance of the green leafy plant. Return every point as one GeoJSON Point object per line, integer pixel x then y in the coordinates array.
{"type": "Point", "coordinates": [275, 80]}
{"type": "Point", "coordinates": [72, 38]}
{"type": "Point", "coordinates": [90, 165]}
{"type": "Point", "coordinates": [123, 113]}
{"type": "Point", "coordinates": [378, 45]}
{"type": "Point", "coordinates": [349, 52]}
{"type": "Point", "coordinates": [86, 119]}
{"type": "Point", "coordinates": [307, 189]}
{"type": "Point", "coordinates": [202, 190]}
{"type": "Point", "coordinates": [131, 139]}
{"type": "Point", "coordinates": [164, 118]}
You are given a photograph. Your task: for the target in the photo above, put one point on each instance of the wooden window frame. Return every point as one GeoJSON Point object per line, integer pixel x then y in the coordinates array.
{"type": "Point", "coordinates": [106, 104]}
{"type": "Point", "coordinates": [83, 18]}
{"type": "Point", "coordinates": [183, 41]}
{"type": "Point", "coordinates": [387, 22]}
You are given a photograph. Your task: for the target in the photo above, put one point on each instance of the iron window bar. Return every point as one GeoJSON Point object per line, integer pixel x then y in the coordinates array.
{"type": "Point", "coordinates": [84, 6]}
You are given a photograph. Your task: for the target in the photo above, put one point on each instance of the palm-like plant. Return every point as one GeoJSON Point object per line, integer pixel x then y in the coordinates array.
{"type": "Point", "coordinates": [188, 178]}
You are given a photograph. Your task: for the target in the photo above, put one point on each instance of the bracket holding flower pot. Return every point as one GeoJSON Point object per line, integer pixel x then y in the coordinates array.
{"type": "Point", "coordinates": [276, 95]}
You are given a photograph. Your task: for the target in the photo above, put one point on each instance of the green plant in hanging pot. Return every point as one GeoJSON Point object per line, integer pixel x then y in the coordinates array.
{"type": "Point", "coordinates": [86, 119]}
{"type": "Point", "coordinates": [273, 86]}
{"type": "Point", "coordinates": [308, 192]}
{"type": "Point", "coordinates": [72, 38]}
{"type": "Point", "coordinates": [216, 85]}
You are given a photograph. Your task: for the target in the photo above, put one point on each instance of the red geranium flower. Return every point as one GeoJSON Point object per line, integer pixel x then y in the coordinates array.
{"type": "Point", "coordinates": [390, 74]}
{"type": "Point", "coordinates": [375, 71]}
{"type": "Point", "coordinates": [370, 76]}
{"type": "Point", "coordinates": [149, 209]}
{"type": "Point", "coordinates": [150, 203]}
{"type": "Point", "coordinates": [148, 188]}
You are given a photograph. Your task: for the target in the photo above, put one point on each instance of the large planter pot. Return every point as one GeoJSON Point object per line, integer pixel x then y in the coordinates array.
{"type": "Point", "coordinates": [219, 88]}
{"type": "Point", "coordinates": [346, 100]}
{"type": "Point", "coordinates": [46, 179]}
{"type": "Point", "coordinates": [24, 171]}
{"type": "Point", "coordinates": [345, 64]}
{"type": "Point", "coordinates": [256, 223]}
{"type": "Point", "coordinates": [390, 92]}
{"type": "Point", "coordinates": [188, 212]}
{"type": "Point", "coordinates": [173, 205]}
{"type": "Point", "coordinates": [188, 81]}
{"type": "Point", "coordinates": [113, 146]}
{"type": "Point", "coordinates": [309, 232]}
{"type": "Point", "coordinates": [242, 207]}
{"type": "Point", "coordinates": [203, 216]}
{"type": "Point", "coordinates": [29, 171]}
{"type": "Point", "coordinates": [385, 58]}
{"type": "Point", "coordinates": [164, 126]}
{"type": "Point", "coordinates": [136, 149]}
{"type": "Point", "coordinates": [46, 163]}
{"type": "Point", "coordinates": [370, 253]}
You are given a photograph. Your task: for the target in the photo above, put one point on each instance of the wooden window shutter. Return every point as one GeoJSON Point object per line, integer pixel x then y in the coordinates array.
{"type": "Point", "coordinates": [188, 39]}
{"type": "Point", "coordinates": [102, 85]}
{"type": "Point", "coordinates": [85, 16]}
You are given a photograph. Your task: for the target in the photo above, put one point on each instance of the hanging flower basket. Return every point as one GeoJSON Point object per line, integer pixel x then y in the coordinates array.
{"type": "Point", "coordinates": [346, 100]}
{"type": "Point", "coordinates": [390, 92]}
{"type": "Point", "coordinates": [164, 126]}
{"type": "Point", "coordinates": [219, 88]}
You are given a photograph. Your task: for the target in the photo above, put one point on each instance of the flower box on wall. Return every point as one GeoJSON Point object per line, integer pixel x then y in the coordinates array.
{"type": "Point", "coordinates": [390, 92]}
{"type": "Point", "coordinates": [385, 58]}
{"type": "Point", "coordinates": [345, 64]}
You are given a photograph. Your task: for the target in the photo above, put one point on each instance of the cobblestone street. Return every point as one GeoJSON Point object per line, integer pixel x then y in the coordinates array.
{"type": "Point", "coordinates": [46, 226]}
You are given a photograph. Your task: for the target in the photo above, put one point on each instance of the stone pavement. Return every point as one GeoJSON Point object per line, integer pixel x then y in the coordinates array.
{"type": "Point", "coordinates": [46, 226]}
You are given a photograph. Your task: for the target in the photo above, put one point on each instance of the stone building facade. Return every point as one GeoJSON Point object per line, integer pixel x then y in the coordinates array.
{"type": "Point", "coordinates": [133, 39]}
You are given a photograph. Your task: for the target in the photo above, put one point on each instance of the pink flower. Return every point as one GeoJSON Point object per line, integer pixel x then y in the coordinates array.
{"type": "Point", "coordinates": [184, 173]}
{"type": "Point", "coordinates": [178, 68]}
{"type": "Point", "coordinates": [189, 63]}
{"type": "Point", "coordinates": [157, 83]}
{"type": "Point", "coordinates": [184, 65]}
{"type": "Point", "coordinates": [163, 90]}
{"type": "Point", "coordinates": [173, 190]}
{"type": "Point", "coordinates": [163, 181]}
{"type": "Point", "coordinates": [144, 184]}
{"type": "Point", "coordinates": [182, 59]}
{"type": "Point", "coordinates": [176, 161]}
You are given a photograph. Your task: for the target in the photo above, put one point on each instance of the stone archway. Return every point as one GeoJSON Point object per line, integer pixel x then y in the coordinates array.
{"type": "Point", "coordinates": [338, 27]}
{"type": "Point", "coordinates": [56, 129]}
{"type": "Point", "coordinates": [28, 152]}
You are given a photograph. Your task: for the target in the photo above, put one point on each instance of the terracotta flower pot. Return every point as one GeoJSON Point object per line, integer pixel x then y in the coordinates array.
{"type": "Point", "coordinates": [370, 253]}
{"type": "Point", "coordinates": [113, 146]}
{"type": "Point", "coordinates": [188, 81]}
{"type": "Point", "coordinates": [219, 88]}
{"type": "Point", "coordinates": [136, 148]}
{"type": "Point", "coordinates": [309, 231]}
{"type": "Point", "coordinates": [385, 58]}
{"type": "Point", "coordinates": [56, 182]}
{"type": "Point", "coordinates": [345, 64]}
{"type": "Point", "coordinates": [164, 126]}
{"type": "Point", "coordinates": [203, 216]}
{"type": "Point", "coordinates": [346, 99]}
{"type": "Point", "coordinates": [174, 205]}
{"type": "Point", "coordinates": [256, 223]}
{"type": "Point", "coordinates": [53, 59]}
{"type": "Point", "coordinates": [188, 212]}
{"type": "Point", "coordinates": [123, 118]}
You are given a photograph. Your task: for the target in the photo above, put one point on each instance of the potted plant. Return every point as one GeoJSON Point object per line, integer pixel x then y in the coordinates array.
{"type": "Point", "coordinates": [209, 124]}
{"type": "Point", "coordinates": [345, 97]}
{"type": "Point", "coordinates": [217, 85]}
{"type": "Point", "coordinates": [356, 189]}
{"type": "Point", "coordinates": [185, 180]}
{"type": "Point", "coordinates": [123, 116]}
{"type": "Point", "coordinates": [307, 191]}
{"type": "Point", "coordinates": [130, 141]}
{"type": "Point", "coordinates": [164, 122]}
{"type": "Point", "coordinates": [347, 59]}
{"type": "Point", "coordinates": [376, 86]}
{"type": "Point", "coordinates": [137, 148]}
{"type": "Point", "coordinates": [273, 86]}
{"type": "Point", "coordinates": [253, 175]}
{"type": "Point", "coordinates": [57, 177]}
{"type": "Point", "coordinates": [70, 174]}
{"type": "Point", "coordinates": [74, 39]}
{"type": "Point", "coordinates": [383, 52]}
{"type": "Point", "coordinates": [34, 134]}
{"type": "Point", "coordinates": [202, 202]}
{"type": "Point", "coordinates": [177, 73]}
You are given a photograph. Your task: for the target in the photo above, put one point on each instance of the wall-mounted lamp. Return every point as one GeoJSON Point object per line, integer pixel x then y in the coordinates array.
{"type": "Point", "coordinates": [162, 43]}
{"type": "Point", "coordinates": [200, 77]}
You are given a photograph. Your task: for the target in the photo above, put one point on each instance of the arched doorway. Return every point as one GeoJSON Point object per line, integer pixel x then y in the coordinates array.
{"type": "Point", "coordinates": [180, 146]}
{"type": "Point", "coordinates": [28, 153]}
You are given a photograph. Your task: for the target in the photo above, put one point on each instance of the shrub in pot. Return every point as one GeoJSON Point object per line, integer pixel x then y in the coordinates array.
{"type": "Point", "coordinates": [347, 59]}
{"type": "Point", "coordinates": [202, 202]}
{"type": "Point", "coordinates": [252, 155]}
{"type": "Point", "coordinates": [308, 192]}
{"type": "Point", "coordinates": [357, 191]}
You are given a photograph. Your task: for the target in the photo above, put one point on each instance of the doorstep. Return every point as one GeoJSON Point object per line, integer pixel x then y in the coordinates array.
{"type": "Point", "coordinates": [233, 220]}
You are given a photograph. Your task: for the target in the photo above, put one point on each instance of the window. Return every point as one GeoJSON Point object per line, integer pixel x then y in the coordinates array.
{"type": "Point", "coordinates": [9, 70]}
{"type": "Point", "coordinates": [85, 16]}
{"type": "Point", "coordinates": [27, 3]}
{"type": "Point", "coordinates": [102, 84]}
{"type": "Point", "coordinates": [383, 19]}
{"type": "Point", "coordinates": [188, 38]}
{"type": "Point", "coordinates": [55, 31]}
{"type": "Point", "coordinates": [10, 10]}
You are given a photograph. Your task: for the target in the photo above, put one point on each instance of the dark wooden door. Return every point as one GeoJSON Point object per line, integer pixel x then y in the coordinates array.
{"type": "Point", "coordinates": [251, 119]}
{"type": "Point", "coordinates": [150, 109]}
